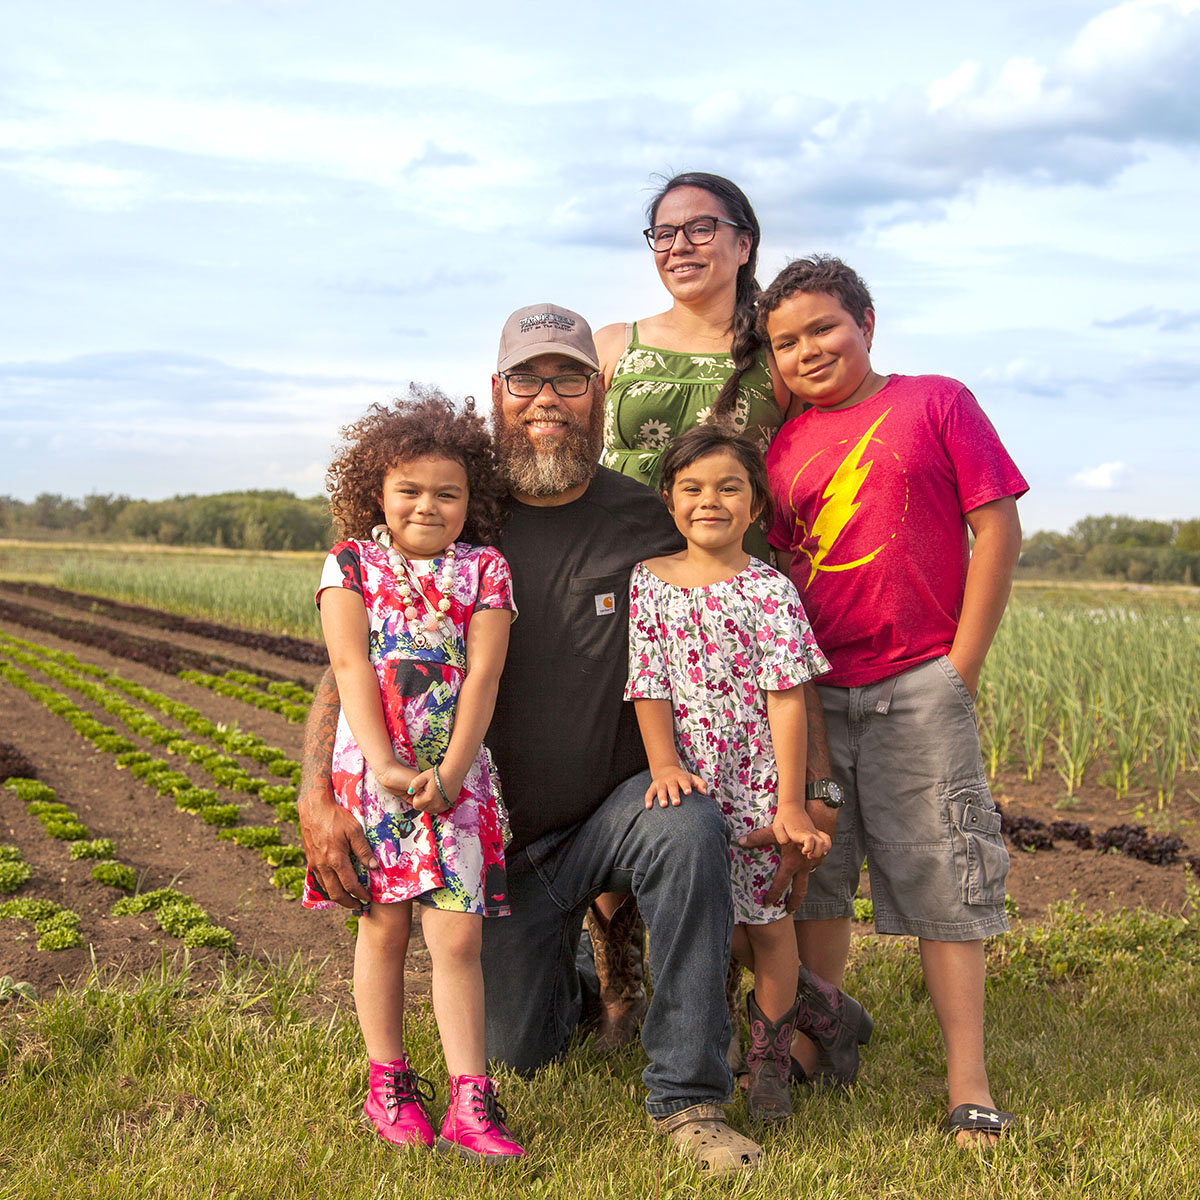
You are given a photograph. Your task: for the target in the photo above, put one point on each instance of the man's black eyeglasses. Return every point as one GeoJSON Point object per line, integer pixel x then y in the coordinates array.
{"type": "Point", "coordinates": [522, 383]}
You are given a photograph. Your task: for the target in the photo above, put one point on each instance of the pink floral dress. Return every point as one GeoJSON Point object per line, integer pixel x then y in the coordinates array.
{"type": "Point", "coordinates": [454, 860]}
{"type": "Point", "coordinates": [714, 652]}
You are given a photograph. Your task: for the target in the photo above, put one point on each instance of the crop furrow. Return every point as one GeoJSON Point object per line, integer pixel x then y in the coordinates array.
{"type": "Point", "coordinates": [281, 645]}
{"type": "Point", "coordinates": [161, 656]}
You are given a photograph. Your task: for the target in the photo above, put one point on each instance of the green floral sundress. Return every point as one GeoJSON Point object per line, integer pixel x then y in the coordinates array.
{"type": "Point", "coordinates": [656, 394]}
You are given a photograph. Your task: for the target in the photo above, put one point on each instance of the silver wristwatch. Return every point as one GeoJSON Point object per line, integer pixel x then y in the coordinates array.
{"type": "Point", "coordinates": [828, 791]}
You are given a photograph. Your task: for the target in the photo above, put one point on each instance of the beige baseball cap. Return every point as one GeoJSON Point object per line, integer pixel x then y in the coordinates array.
{"type": "Point", "coordinates": [546, 329]}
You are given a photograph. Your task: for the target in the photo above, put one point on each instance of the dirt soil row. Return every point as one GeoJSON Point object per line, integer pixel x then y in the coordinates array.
{"type": "Point", "coordinates": [171, 848]}
{"type": "Point", "coordinates": [296, 649]}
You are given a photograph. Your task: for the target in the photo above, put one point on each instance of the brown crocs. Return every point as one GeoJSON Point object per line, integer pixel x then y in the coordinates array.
{"type": "Point", "coordinates": [701, 1133]}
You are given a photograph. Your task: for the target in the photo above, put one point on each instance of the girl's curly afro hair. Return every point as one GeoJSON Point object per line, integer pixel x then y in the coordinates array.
{"type": "Point", "coordinates": [424, 424]}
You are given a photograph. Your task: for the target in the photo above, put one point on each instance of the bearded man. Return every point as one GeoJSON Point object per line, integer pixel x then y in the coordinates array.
{"type": "Point", "coordinates": [571, 760]}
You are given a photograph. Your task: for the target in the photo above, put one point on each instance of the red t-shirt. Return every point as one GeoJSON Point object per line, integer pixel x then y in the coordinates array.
{"type": "Point", "coordinates": [870, 500]}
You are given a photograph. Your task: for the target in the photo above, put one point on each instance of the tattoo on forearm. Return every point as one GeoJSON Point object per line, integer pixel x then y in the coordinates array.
{"type": "Point", "coordinates": [319, 733]}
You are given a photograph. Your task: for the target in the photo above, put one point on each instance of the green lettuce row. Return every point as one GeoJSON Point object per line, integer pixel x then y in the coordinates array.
{"type": "Point", "coordinates": [158, 774]}
{"type": "Point", "coordinates": [223, 769]}
{"type": "Point", "coordinates": [66, 667]}
{"type": "Point", "coordinates": [286, 689]}
{"type": "Point", "coordinates": [224, 686]}
{"type": "Point", "coordinates": [41, 801]}
{"type": "Point", "coordinates": [15, 872]}
{"type": "Point", "coordinates": [57, 927]}
{"type": "Point", "coordinates": [178, 916]}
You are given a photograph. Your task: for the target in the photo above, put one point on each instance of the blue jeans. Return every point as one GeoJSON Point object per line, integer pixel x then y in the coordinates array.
{"type": "Point", "coordinates": [675, 861]}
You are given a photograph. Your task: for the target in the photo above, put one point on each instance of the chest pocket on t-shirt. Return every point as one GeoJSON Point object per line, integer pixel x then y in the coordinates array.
{"type": "Point", "coordinates": [600, 616]}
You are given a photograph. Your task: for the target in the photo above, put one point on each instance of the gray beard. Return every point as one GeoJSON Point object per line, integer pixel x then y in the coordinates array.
{"type": "Point", "coordinates": [552, 470]}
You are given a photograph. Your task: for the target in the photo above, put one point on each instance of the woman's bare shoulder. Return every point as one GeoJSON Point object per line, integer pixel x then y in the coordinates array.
{"type": "Point", "coordinates": [610, 345]}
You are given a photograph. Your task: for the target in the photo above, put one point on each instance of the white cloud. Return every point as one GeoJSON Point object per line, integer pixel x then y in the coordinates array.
{"type": "Point", "coordinates": [88, 185]}
{"type": "Point", "coordinates": [1105, 478]}
{"type": "Point", "coordinates": [947, 90]}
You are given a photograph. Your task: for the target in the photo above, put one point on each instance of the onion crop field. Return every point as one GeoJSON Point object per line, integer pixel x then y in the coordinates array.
{"type": "Point", "coordinates": [1111, 692]}
{"type": "Point", "coordinates": [272, 591]}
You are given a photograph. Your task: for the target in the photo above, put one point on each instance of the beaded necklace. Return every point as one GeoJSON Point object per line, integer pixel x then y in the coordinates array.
{"type": "Point", "coordinates": [429, 630]}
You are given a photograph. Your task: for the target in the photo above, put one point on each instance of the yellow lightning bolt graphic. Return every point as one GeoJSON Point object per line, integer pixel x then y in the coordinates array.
{"type": "Point", "coordinates": [841, 504]}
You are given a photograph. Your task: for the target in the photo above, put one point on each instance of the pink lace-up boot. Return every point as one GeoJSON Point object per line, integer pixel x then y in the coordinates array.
{"type": "Point", "coordinates": [395, 1104]}
{"type": "Point", "coordinates": [474, 1126]}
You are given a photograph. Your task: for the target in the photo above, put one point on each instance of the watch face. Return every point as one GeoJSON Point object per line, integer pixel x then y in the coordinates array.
{"type": "Point", "coordinates": [836, 795]}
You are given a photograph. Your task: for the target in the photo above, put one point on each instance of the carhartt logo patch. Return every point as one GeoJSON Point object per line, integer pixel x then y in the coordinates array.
{"type": "Point", "coordinates": [606, 603]}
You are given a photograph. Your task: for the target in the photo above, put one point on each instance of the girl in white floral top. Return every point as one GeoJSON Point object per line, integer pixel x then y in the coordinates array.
{"type": "Point", "coordinates": [719, 648]}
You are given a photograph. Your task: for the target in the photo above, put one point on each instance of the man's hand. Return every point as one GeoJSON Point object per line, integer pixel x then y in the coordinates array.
{"type": "Point", "coordinates": [668, 784]}
{"type": "Point", "coordinates": [791, 880]}
{"type": "Point", "coordinates": [330, 835]}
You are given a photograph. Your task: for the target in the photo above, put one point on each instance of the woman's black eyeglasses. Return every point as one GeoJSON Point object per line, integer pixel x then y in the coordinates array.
{"type": "Point", "coordinates": [699, 231]}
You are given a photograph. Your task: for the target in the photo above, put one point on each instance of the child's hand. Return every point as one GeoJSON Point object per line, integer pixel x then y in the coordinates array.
{"type": "Point", "coordinates": [426, 797]}
{"type": "Point", "coordinates": [667, 785]}
{"type": "Point", "coordinates": [395, 777]}
{"type": "Point", "coordinates": [792, 825]}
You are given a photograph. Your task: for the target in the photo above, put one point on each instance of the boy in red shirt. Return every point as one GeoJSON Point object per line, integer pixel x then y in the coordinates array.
{"type": "Point", "coordinates": [875, 488]}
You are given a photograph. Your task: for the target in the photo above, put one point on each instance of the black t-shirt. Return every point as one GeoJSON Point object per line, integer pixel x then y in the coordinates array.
{"type": "Point", "coordinates": [562, 735]}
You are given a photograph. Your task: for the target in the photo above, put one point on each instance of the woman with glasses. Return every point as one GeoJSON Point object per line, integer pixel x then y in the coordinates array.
{"type": "Point", "coordinates": [701, 360]}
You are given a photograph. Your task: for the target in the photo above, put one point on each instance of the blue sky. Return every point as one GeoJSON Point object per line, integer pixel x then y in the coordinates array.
{"type": "Point", "coordinates": [228, 227]}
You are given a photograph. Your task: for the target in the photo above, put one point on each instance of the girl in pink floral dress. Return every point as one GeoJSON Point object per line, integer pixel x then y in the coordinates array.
{"type": "Point", "coordinates": [719, 647]}
{"type": "Point", "coordinates": [416, 624]}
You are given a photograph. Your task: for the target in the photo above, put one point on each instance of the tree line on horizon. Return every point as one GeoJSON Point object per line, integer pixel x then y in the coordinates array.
{"type": "Point", "coordinates": [251, 520]}
{"type": "Point", "coordinates": [1106, 547]}
{"type": "Point", "coordinates": [1133, 549]}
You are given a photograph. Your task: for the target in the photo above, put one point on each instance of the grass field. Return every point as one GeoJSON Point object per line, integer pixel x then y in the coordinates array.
{"type": "Point", "coordinates": [170, 1087]}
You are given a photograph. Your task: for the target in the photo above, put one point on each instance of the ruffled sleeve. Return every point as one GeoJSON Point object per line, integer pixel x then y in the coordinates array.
{"type": "Point", "coordinates": [648, 679]}
{"type": "Point", "coordinates": [788, 650]}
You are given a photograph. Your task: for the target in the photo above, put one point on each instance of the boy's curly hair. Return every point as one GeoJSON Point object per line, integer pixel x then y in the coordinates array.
{"type": "Point", "coordinates": [424, 424]}
{"type": "Point", "coordinates": [820, 273]}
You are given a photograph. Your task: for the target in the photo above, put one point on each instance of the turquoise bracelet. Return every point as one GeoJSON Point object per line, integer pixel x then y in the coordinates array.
{"type": "Point", "coordinates": [438, 780]}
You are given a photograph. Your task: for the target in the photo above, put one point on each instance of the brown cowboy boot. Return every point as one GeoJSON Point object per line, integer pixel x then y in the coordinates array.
{"type": "Point", "coordinates": [618, 946]}
{"type": "Point", "coordinates": [733, 997]}
{"type": "Point", "coordinates": [836, 1023]}
{"type": "Point", "coordinates": [767, 1095]}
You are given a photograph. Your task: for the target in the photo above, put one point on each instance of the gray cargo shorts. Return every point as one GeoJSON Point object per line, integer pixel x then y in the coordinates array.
{"type": "Point", "coordinates": [918, 808]}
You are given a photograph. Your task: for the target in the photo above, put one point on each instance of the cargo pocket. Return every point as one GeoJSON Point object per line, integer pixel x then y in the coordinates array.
{"type": "Point", "coordinates": [979, 851]}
